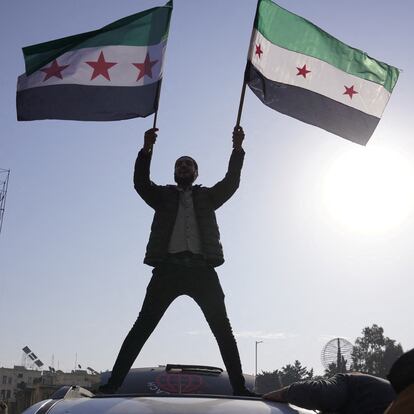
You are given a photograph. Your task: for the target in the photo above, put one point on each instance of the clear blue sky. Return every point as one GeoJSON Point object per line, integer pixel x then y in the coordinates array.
{"type": "Point", "coordinates": [318, 239]}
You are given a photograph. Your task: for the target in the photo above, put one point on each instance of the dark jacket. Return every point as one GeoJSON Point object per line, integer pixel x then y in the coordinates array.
{"type": "Point", "coordinates": [164, 200]}
{"type": "Point", "coordinates": [343, 394]}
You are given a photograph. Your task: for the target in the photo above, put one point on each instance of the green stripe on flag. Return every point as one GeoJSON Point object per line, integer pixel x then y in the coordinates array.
{"type": "Point", "coordinates": [146, 28]}
{"type": "Point", "coordinates": [295, 33]}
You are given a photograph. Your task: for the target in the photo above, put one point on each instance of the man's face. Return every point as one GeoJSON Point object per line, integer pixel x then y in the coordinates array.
{"type": "Point", "coordinates": [185, 171]}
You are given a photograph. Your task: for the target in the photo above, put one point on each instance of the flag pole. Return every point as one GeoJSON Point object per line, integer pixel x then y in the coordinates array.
{"type": "Point", "coordinates": [154, 125]}
{"type": "Point", "coordinates": [243, 91]}
{"type": "Point", "coordinates": [157, 100]}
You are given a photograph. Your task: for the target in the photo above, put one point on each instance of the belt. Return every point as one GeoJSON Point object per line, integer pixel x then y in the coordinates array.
{"type": "Point", "coordinates": [186, 258]}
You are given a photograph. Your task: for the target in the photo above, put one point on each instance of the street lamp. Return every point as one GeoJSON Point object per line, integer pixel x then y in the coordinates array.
{"type": "Point", "coordinates": [255, 360]}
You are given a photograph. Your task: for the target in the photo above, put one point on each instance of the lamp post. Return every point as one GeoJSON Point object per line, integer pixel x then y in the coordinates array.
{"type": "Point", "coordinates": [255, 361]}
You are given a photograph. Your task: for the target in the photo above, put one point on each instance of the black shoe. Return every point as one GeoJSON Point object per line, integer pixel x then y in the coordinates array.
{"type": "Point", "coordinates": [106, 389]}
{"type": "Point", "coordinates": [244, 392]}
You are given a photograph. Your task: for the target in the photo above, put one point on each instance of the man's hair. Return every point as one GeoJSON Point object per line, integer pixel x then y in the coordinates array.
{"type": "Point", "coordinates": [191, 158]}
{"type": "Point", "coordinates": [401, 374]}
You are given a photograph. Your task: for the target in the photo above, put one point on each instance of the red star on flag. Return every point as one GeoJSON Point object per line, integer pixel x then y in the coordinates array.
{"type": "Point", "coordinates": [303, 71]}
{"type": "Point", "coordinates": [350, 91]}
{"type": "Point", "coordinates": [259, 51]}
{"type": "Point", "coordinates": [101, 67]}
{"type": "Point", "coordinates": [145, 68]}
{"type": "Point", "coordinates": [54, 70]}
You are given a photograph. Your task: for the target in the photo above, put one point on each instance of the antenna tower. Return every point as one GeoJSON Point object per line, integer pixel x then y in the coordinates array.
{"type": "Point", "coordinates": [337, 355]}
{"type": "Point", "coordinates": [4, 182]}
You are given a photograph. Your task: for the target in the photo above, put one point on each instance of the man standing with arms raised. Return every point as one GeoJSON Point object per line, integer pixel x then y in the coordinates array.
{"type": "Point", "coordinates": [184, 248]}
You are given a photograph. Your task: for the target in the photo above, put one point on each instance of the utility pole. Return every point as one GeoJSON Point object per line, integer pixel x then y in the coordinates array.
{"type": "Point", "coordinates": [255, 361]}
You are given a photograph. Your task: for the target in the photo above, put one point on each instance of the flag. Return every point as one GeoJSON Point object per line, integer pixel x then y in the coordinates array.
{"type": "Point", "coordinates": [107, 74]}
{"type": "Point", "coordinates": [299, 70]}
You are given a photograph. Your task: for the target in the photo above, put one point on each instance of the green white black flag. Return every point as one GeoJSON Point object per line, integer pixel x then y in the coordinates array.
{"type": "Point", "coordinates": [108, 74]}
{"type": "Point", "coordinates": [299, 70]}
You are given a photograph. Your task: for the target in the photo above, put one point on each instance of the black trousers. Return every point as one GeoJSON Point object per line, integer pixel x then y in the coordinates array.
{"type": "Point", "coordinates": [167, 283]}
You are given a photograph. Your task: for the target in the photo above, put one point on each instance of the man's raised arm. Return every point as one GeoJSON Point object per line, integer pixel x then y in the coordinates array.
{"type": "Point", "coordinates": [225, 188]}
{"type": "Point", "coordinates": [150, 137]}
{"type": "Point", "coordinates": [142, 183]}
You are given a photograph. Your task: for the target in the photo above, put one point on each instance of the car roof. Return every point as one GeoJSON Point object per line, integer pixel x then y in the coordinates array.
{"type": "Point", "coordinates": [177, 379]}
{"type": "Point", "coordinates": [163, 404]}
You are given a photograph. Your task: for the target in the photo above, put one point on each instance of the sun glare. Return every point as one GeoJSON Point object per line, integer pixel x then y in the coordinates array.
{"type": "Point", "coordinates": [369, 189]}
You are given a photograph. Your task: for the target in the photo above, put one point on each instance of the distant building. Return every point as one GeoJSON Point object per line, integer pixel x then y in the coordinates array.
{"type": "Point", "coordinates": [20, 387]}
{"type": "Point", "coordinates": [10, 378]}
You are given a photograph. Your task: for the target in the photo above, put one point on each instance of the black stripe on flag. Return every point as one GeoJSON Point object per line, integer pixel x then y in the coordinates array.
{"type": "Point", "coordinates": [312, 108]}
{"type": "Point", "coordinates": [87, 103]}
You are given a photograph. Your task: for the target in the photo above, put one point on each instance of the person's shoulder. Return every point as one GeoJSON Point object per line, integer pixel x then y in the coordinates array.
{"type": "Point", "coordinates": [169, 188]}
{"type": "Point", "coordinates": [198, 187]}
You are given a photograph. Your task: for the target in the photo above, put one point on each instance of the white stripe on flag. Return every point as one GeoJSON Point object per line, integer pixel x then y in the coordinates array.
{"type": "Point", "coordinates": [124, 73]}
{"type": "Point", "coordinates": [280, 65]}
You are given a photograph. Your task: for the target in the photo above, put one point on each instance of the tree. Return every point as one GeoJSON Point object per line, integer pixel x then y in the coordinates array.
{"type": "Point", "coordinates": [270, 381]}
{"type": "Point", "coordinates": [375, 353]}
{"type": "Point", "coordinates": [295, 373]}
{"type": "Point", "coordinates": [331, 370]}
{"type": "Point", "coordinates": [334, 369]}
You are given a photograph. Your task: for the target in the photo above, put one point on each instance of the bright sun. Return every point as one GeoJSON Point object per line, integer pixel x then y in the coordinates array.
{"type": "Point", "coordinates": [369, 189]}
